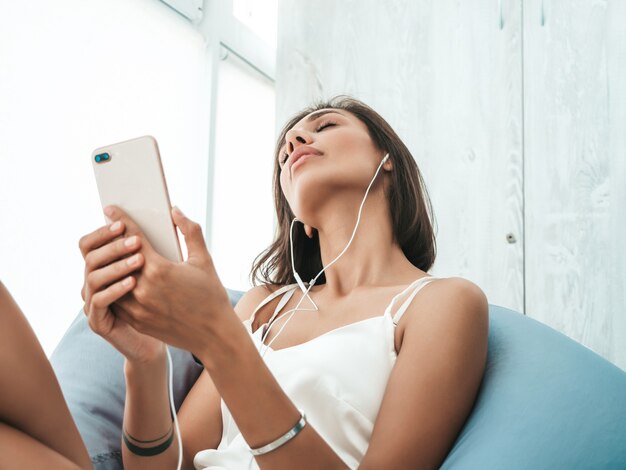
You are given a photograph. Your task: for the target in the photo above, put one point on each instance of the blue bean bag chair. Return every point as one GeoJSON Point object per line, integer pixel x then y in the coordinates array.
{"type": "Point", "coordinates": [545, 402]}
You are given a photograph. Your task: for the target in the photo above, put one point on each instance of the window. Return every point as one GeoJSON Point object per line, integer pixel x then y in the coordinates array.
{"type": "Point", "coordinates": [240, 209]}
{"type": "Point", "coordinates": [243, 209]}
{"type": "Point", "coordinates": [260, 17]}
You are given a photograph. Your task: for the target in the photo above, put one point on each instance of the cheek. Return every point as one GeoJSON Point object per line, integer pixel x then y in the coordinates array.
{"type": "Point", "coordinates": [354, 150]}
{"type": "Point", "coordinates": [284, 183]}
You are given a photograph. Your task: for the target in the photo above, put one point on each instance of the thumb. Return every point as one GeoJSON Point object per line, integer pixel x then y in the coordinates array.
{"type": "Point", "coordinates": [192, 231]}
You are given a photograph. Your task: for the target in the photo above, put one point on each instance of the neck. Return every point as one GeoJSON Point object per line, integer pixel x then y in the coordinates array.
{"type": "Point", "coordinates": [373, 258]}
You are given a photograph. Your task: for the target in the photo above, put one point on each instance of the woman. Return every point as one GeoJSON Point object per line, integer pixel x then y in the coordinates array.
{"type": "Point", "coordinates": [370, 375]}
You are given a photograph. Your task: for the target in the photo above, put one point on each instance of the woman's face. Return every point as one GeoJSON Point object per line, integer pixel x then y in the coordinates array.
{"type": "Point", "coordinates": [344, 159]}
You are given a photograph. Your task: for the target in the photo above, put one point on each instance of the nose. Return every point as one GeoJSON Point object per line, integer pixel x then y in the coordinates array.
{"type": "Point", "coordinates": [295, 138]}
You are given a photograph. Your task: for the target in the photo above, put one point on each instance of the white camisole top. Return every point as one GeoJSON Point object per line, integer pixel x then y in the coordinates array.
{"type": "Point", "coordinates": [338, 379]}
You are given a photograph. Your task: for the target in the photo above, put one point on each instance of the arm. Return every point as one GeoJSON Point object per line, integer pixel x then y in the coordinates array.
{"type": "Point", "coordinates": [107, 252]}
{"type": "Point", "coordinates": [186, 305]}
{"type": "Point", "coordinates": [199, 416]}
{"type": "Point", "coordinates": [147, 413]}
{"type": "Point", "coordinates": [434, 383]}
{"type": "Point", "coordinates": [236, 368]}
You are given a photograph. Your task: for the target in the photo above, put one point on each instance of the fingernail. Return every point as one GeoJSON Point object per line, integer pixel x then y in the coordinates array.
{"type": "Point", "coordinates": [108, 210]}
{"type": "Point", "coordinates": [115, 225]}
{"type": "Point", "coordinates": [178, 210]}
{"type": "Point", "coordinates": [132, 260]}
{"type": "Point", "coordinates": [130, 241]}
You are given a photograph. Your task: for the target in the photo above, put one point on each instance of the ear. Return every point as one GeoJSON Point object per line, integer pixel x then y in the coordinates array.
{"type": "Point", "coordinates": [388, 165]}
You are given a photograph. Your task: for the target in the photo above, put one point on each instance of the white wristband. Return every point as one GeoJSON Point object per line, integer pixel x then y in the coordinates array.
{"type": "Point", "coordinates": [282, 439]}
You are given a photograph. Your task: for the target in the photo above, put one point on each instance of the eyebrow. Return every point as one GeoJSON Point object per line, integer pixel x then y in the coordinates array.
{"type": "Point", "coordinates": [312, 117]}
{"type": "Point", "coordinates": [315, 115]}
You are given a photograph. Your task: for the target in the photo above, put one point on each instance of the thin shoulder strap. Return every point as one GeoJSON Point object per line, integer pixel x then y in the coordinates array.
{"type": "Point", "coordinates": [283, 302]}
{"type": "Point", "coordinates": [417, 286]}
{"type": "Point", "coordinates": [288, 288]}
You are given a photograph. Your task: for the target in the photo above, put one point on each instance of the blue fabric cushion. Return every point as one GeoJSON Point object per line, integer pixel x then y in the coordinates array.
{"type": "Point", "coordinates": [91, 374]}
{"type": "Point", "coordinates": [546, 402]}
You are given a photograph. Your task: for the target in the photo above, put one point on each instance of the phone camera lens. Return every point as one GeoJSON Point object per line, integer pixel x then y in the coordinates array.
{"type": "Point", "coordinates": [102, 157]}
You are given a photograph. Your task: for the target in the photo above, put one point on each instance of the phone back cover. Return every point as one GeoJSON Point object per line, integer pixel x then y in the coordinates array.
{"type": "Point", "coordinates": [133, 179]}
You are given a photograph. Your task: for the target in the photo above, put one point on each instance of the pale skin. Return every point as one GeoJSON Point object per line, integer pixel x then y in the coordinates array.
{"type": "Point", "coordinates": [441, 340]}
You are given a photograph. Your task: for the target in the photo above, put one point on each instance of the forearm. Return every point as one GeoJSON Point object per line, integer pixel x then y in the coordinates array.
{"type": "Point", "coordinates": [238, 370]}
{"type": "Point", "coordinates": [147, 414]}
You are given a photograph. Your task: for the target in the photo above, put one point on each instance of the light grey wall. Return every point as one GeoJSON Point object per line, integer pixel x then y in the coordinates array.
{"type": "Point", "coordinates": [575, 153]}
{"type": "Point", "coordinates": [515, 115]}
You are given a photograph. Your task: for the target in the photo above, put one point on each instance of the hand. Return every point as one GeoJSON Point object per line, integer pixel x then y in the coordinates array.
{"type": "Point", "coordinates": [178, 303]}
{"type": "Point", "coordinates": [106, 269]}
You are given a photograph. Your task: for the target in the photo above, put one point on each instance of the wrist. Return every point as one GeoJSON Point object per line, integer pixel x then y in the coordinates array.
{"type": "Point", "coordinates": [147, 355]}
{"type": "Point", "coordinates": [225, 343]}
{"type": "Point", "coordinates": [145, 365]}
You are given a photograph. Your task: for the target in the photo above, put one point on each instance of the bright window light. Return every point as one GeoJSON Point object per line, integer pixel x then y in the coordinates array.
{"type": "Point", "coordinates": [243, 214]}
{"type": "Point", "coordinates": [260, 16]}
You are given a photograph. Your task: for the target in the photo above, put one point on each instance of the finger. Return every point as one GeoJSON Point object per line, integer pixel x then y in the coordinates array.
{"type": "Point", "coordinates": [132, 228]}
{"type": "Point", "coordinates": [100, 237]}
{"type": "Point", "coordinates": [111, 252]}
{"type": "Point", "coordinates": [121, 313]}
{"type": "Point", "coordinates": [192, 231]}
{"type": "Point", "coordinates": [128, 302]}
{"type": "Point", "coordinates": [101, 300]}
{"type": "Point", "coordinates": [129, 317]}
{"type": "Point", "coordinates": [110, 274]}
{"type": "Point", "coordinates": [97, 242]}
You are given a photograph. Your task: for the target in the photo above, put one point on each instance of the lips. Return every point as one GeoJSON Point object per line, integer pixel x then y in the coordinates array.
{"type": "Point", "coordinates": [301, 152]}
{"type": "Point", "coordinates": [300, 160]}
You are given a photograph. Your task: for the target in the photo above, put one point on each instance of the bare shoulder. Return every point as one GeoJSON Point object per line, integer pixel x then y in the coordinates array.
{"type": "Point", "coordinates": [448, 303]}
{"type": "Point", "coordinates": [462, 289]}
{"type": "Point", "coordinates": [457, 292]}
{"type": "Point", "coordinates": [454, 299]}
{"type": "Point", "coordinates": [435, 379]}
{"type": "Point", "coordinates": [252, 298]}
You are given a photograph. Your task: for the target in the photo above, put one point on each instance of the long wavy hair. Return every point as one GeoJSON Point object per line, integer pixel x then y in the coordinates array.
{"type": "Point", "coordinates": [409, 203]}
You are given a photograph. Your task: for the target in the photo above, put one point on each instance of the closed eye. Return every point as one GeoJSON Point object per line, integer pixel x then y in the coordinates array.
{"type": "Point", "coordinates": [319, 128]}
{"type": "Point", "coordinates": [325, 125]}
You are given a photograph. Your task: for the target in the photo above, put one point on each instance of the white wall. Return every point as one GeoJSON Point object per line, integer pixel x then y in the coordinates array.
{"type": "Point", "coordinates": [76, 75]}
{"type": "Point", "coordinates": [517, 126]}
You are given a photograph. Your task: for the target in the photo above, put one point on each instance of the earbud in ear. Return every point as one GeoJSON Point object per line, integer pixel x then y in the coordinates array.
{"type": "Point", "coordinates": [386, 158]}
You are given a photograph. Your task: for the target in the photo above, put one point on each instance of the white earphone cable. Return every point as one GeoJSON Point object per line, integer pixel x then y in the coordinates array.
{"type": "Point", "coordinates": [173, 408]}
{"type": "Point", "coordinates": [294, 310]}
{"type": "Point", "coordinates": [298, 279]}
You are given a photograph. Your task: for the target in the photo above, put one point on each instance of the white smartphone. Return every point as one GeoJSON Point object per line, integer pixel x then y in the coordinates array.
{"type": "Point", "coordinates": [129, 175]}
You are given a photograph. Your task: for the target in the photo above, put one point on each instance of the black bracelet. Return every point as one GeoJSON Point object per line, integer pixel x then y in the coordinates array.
{"type": "Point", "coordinates": [150, 441]}
{"type": "Point", "coordinates": [148, 451]}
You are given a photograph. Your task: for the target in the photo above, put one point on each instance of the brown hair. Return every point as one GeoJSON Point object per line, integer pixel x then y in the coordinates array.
{"type": "Point", "coordinates": [411, 209]}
